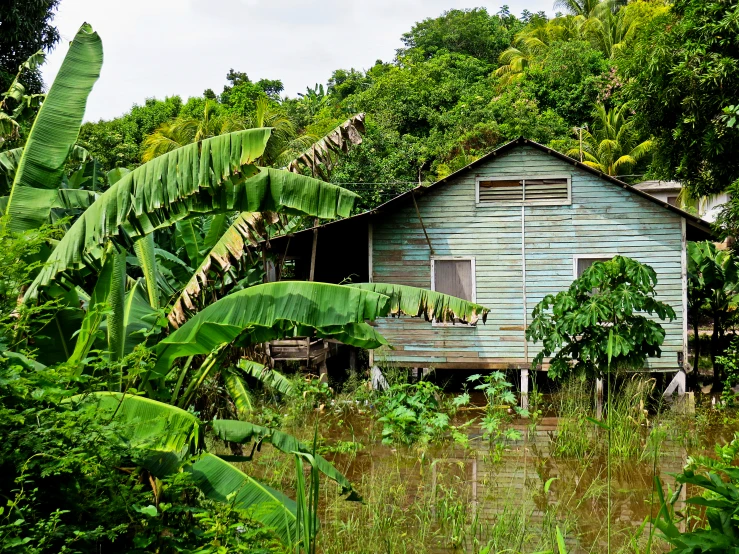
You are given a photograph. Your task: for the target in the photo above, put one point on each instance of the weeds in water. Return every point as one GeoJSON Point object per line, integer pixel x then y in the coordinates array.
{"type": "Point", "coordinates": [629, 419]}
{"type": "Point", "coordinates": [573, 405]}
{"type": "Point", "coordinates": [416, 413]}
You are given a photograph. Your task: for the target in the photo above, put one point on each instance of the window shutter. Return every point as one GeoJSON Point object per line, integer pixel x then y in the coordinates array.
{"type": "Point", "coordinates": [584, 263]}
{"type": "Point", "coordinates": [501, 191]}
{"type": "Point", "coordinates": [453, 277]}
{"type": "Point", "coordinates": [546, 190]}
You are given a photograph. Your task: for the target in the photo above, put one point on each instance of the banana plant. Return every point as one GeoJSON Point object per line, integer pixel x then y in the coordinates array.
{"type": "Point", "coordinates": [167, 440]}
{"type": "Point", "coordinates": [275, 310]}
{"type": "Point", "coordinates": [40, 167]}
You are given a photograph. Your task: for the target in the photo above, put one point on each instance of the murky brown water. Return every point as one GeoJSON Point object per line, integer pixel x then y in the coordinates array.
{"type": "Point", "coordinates": [474, 489]}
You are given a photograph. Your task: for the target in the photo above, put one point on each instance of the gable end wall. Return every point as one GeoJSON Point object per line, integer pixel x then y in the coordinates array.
{"type": "Point", "coordinates": [603, 220]}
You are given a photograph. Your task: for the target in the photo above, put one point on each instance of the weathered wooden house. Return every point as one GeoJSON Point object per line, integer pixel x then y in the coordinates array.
{"type": "Point", "coordinates": [513, 226]}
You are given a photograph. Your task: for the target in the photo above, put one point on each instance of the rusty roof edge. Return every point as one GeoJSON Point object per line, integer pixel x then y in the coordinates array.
{"type": "Point", "coordinates": [695, 221]}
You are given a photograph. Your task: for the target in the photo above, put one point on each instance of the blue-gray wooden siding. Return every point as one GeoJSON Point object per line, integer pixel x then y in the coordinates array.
{"type": "Point", "coordinates": [603, 220]}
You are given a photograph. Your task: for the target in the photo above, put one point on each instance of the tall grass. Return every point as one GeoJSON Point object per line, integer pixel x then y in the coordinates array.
{"type": "Point", "coordinates": [420, 499]}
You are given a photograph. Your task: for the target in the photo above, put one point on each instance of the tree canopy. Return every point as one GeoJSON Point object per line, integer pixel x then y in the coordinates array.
{"type": "Point", "coordinates": [26, 28]}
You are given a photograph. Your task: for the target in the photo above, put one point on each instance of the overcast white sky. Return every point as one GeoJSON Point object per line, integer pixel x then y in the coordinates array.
{"type": "Point", "coordinates": [158, 48]}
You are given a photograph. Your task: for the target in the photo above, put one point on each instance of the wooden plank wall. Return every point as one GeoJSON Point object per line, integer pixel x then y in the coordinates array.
{"type": "Point", "coordinates": [603, 220]}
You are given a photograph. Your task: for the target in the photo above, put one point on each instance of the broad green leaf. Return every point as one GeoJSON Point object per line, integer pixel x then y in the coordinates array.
{"type": "Point", "coordinates": [116, 174]}
{"type": "Point", "coordinates": [432, 305]}
{"type": "Point", "coordinates": [144, 248]}
{"type": "Point", "coordinates": [221, 481]}
{"type": "Point", "coordinates": [56, 341]}
{"type": "Point", "coordinates": [9, 160]}
{"type": "Point", "coordinates": [214, 176]}
{"type": "Point", "coordinates": [228, 250]}
{"type": "Point", "coordinates": [269, 377]}
{"type": "Point", "coordinates": [22, 360]}
{"type": "Point", "coordinates": [96, 308]}
{"type": "Point", "coordinates": [216, 227]}
{"type": "Point", "coordinates": [269, 311]}
{"type": "Point", "coordinates": [239, 393]}
{"type": "Point", "coordinates": [244, 432]}
{"type": "Point", "coordinates": [54, 132]}
{"type": "Point", "coordinates": [117, 301]}
{"type": "Point", "coordinates": [138, 316]}
{"type": "Point", "coordinates": [189, 237]}
{"type": "Point", "coordinates": [165, 435]}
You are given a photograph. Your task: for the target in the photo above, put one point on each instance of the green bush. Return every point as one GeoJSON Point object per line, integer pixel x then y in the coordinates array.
{"type": "Point", "coordinates": [70, 484]}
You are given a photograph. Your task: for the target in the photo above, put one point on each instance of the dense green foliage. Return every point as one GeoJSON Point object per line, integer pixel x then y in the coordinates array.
{"type": "Point", "coordinates": [27, 28]}
{"type": "Point", "coordinates": [682, 73]}
{"type": "Point", "coordinates": [112, 359]}
{"type": "Point", "coordinates": [714, 531]}
{"type": "Point", "coordinates": [462, 84]}
{"type": "Point", "coordinates": [598, 324]}
{"type": "Point", "coordinates": [713, 293]}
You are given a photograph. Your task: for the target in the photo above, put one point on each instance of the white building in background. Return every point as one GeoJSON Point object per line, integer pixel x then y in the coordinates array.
{"type": "Point", "coordinates": [706, 207]}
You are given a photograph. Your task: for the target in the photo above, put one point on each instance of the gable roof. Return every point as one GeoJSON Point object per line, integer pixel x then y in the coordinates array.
{"type": "Point", "coordinates": [700, 225]}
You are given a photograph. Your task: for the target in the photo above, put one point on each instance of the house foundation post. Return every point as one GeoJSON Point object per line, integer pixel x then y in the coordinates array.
{"type": "Point", "coordinates": [678, 384]}
{"type": "Point", "coordinates": [599, 398]}
{"type": "Point", "coordinates": [525, 389]}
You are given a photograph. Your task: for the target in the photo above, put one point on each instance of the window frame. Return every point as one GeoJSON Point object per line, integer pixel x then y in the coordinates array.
{"type": "Point", "coordinates": [524, 202]}
{"type": "Point", "coordinates": [473, 273]}
{"type": "Point", "coordinates": [597, 257]}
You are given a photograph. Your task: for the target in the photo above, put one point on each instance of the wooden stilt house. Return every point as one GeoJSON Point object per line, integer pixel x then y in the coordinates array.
{"type": "Point", "coordinates": [513, 226]}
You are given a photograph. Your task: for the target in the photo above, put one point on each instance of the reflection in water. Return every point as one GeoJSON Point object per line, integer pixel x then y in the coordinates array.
{"type": "Point", "coordinates": [463, 499]}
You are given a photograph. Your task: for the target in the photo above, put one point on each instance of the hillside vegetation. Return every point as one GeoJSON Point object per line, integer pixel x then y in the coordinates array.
{"type": "Point", "coordinates": [461, 85]}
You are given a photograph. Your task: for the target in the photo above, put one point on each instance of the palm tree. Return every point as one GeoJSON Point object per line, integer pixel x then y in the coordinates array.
{"type": "Point", "coordinates": [611, 30]}
{"type": "Point", "coordinates": [580, 7]}
{"type": "Point", "coordinates": [284, 141]}
{"type": "Point", "coordinates": [533, 42]}
{"type": "Point", "coordinates": [614, 147]}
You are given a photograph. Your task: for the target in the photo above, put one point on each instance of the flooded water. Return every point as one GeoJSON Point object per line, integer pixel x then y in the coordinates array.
{"type": "Point", "coordinates": [512, 499]}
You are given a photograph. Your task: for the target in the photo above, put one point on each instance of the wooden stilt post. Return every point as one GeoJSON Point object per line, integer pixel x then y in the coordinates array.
{"type": "Point", "coordinates": [313, 251]}
{"type": "Point", "coordinates": [525, 389]}
{"type": "Point", "coordinates": [599, 398]}
{"type": "Point", "coordinates": [352, 360]}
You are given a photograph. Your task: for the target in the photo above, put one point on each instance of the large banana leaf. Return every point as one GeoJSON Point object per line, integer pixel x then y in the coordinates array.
{"type": "Point", "coordinates": [222, 482]}
{"type": "Point", "coordinates": [269, 311]}
{"type": "Point", "coordinates": [214, 176]}
{"type": "Point", "coordinates": [54, 132]}
{"type": "Point", "coordinates": [117, 302]}
{"type": "Point", "coordinates": [239, 392]}
{"type": "Point", "coordinates": [163, 436]}
{"type": "Point", "coordinates": [189, 237]}
{"type": "Point", "coordinates": [417, 302]}
{"type": "Point", "coordinates": [138, 316]}
{"type": "Point", "coordinates": [245, 231]}
{"type": "Point", "coordinates": [56, 341]}
{"type": "Point", "coordinates": [66, 199]}
{"type": "Point", "coordinates": [243, 432]}
{"type": "Point", "coordinates": [266, 376]}
{"type": "Point", "coordinates": [96, 307]}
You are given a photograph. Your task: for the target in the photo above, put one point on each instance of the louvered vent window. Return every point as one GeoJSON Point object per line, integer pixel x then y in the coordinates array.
{"type": "Point", "coordinates": [527, 191]}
